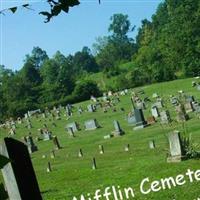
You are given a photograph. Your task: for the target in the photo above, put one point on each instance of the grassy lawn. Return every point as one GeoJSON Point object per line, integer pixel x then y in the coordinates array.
{"type": "Point", "coordinates": [72, 176]}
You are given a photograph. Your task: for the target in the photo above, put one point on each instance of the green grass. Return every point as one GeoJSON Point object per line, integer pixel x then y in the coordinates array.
{"type": "Point", "coordinates": [102, 81]}
{"type": "Point", "coordinates": [73, 176]}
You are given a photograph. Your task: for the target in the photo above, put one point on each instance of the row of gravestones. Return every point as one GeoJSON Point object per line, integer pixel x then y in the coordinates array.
{"type": "Point", "coordinates": [92, 125]}
{"type": "Point", "coordinates": [19, 175]}
{"type": "Point", "coordinates": [181, 110]}
{"type": "Point", "coordinates": [55, 113]}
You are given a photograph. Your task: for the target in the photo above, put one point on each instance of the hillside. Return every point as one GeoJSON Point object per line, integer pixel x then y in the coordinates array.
{"type": "Point", "coordinates": [72, 176]}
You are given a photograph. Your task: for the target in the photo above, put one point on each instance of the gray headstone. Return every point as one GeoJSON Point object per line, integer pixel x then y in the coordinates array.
{"type": "Point", "coordinates": [181, 113]}
{"type": "Point", "coordinates": [49, 167]}
{"type": "Point", "coordinates": [94, 165]}
{"type": "Point", "coordinates": [139, 116]}
{"type": "Point", "coordinates": [91, 124]}
{"type": "Point", "coordinates": [152, 144]}
{"type": "Point", "coordinates": [159, 103]}
{"type": "Point", "coordinates": [72, 125]}
{"type": "Point", "coordinates": [30, 144]}
{"type": "Point", "coordinates": [108, 136]}
{"type": "Point", "coordinates": [140, 105]}
{"type": "Point", "coordinates": [19, 175]}
{"type": "Point", "coordinates": [198, 87]}
{"type": "Point", "coordinates": [68, 110]}
{"type": "Point", "coordinates": [47, 135]}
{"type": "Point", "coordinates": [165, 117]}
{"type": "Point", "coordinates": [52, 154]}
{"type": "Point", "coordinates": [174, 101]}
{"type": "Point", "coordinates": [101, 149]}
{"type": "Point", "coordinates": [127, 147]}
{"type": "Point", "coordinates": [70, 131]}
{"type": "Point", "coordinates": [174, 147]}
{"type": "Point", "coordinates": [155, 112]}
{"type": "Point", "coordinates": [118, 131]}
{"type": "Point", "coordinates": [90, 108]}
{"type": "Point", "coordinates": [131, 119]}
{"type": "Point", "coordinates": [56, 143]}
{"type": "Point", "coordinates": [189, 99]}
{"type": "Point", "coordinates": [80, 153]}
{"type": "Point", "coordinates": [189, 107]}
{"type": "Point", "coordinates": [12, 131]}
{"type": "Point", "coordinates": [196, 107]}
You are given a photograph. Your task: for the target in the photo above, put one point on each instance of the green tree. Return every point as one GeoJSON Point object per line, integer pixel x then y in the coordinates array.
{"type": "Point", "coordinates": [117, 48]}
{"type": "Point", "coordinates": [30, 73]}
{"type": "Point", "coordinates": [85, 89]}
{"type": "Point", "coordinates": [84, 61]}
{"type": "Point", "coordinates": [37, 57]}
{"type": "Point", "coordinates": [120, 26]}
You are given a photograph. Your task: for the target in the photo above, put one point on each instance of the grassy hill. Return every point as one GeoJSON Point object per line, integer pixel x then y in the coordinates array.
{"type": "Point", "coordinates": [72, 176]}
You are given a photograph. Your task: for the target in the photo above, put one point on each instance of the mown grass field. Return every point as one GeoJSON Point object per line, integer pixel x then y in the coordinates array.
{"type": "Point", "coordinates": [72, 176]}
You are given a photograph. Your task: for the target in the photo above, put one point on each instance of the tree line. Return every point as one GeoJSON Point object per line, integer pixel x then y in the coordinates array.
{"type": "Point", "coordinates": [165, 48]}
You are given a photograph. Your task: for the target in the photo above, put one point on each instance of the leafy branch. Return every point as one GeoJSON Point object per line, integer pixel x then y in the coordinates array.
{"type": "Point", "coordinates": [56, 7]}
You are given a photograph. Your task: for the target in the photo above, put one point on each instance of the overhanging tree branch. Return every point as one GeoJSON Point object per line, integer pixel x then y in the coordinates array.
{"type": "Point", "coordinates": [56, 7]}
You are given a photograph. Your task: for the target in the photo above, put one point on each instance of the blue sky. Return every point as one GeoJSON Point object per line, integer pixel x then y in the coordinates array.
{"type": "Point", "coordinates": [68, 33]}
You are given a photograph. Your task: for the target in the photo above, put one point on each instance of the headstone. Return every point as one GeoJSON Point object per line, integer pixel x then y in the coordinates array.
{"type": "Point", "coordinates": [189, 107]}
{"type": "Point", "coordinates": [110, 93]}
{"type": "Point", "coordinates": [194, 83]}
{"type": "Point", "coordinates": [70, 131]}
{"type": "Point", "coordinates": [58, 115]}
{"type": "Point", "coordinates": [30, 144]}
{"type": "Point", "coordinates": [68, 110]}
{"type": "Point", "coordinates": [73, 125]}
{"type": "Point", "coordinates": [80, 110]}
{"type": "Point", "coordinates": [29, 125]}
{"type": "Point", "coordinates": [189, 99]}
{"type": "Point", "coordinates": [118, 131]}
{"type": "Point", "coordinates": [139, 116]}
{"type": "Point", "coordinates": [19, 120]}
{"type": "Point", "coordinates": [26, 116]}
{"type": "Point", "coordinates": [49, 167]}
{"type": "Point", "coordinates": [47, 135]}
{"type": "Point", "coordinates": [108, 136]}
{"type": "Point", "coordinates": [52, 154]}
{"type": "Point", "coordinates": [12, 131]}
{"type": "Point", "coordinates": [91, 124]}
{"type": "Point", "coordinates": [181, 113]}
{"type": "Point", "coordinates": [80, 153]}
{"type": "Point", "coordinates": [131, 119]}
{"type": "Point", "coordinates": [198, 87]}
{"type": "Point", "coordinates": [140, 105]}
{"type": "Point", "coordinates": [196, 107]}
{"type": "Point", "coordinates": [94, 165]}
{"type": "Point", "coordinates": [19, 175]}
{"type": "Point", "coordinates": [159, 103]}
{"type": "Point", "coordinates": [56, 143]}
{"type": "Point", "coordinates": [13, 125]}
{"type": "Point", "coordinates": [127, 147]}
{"type": "Point", "coordinates": [44, 115]}
{"type": "Point", "coordinates": [152, 144]}
{"type": "Point", "coordinates": [174, 147]}
{"type": "Point", "coordinates": [154, 111]}
{"type": "Point", "coordinates": [155, 95]}
{"type": "Point", "coordinates": [165, 117]}
{"type": "Point", "coordinates": [90, 108]}
{"type": "Point", "coordinates": [101, 149]}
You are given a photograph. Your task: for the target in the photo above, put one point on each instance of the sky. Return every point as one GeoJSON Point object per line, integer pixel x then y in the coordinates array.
{"type": "Point", "coordinates": [68, 33]}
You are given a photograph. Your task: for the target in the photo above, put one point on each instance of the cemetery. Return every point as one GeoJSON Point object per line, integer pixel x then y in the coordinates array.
{"type": "Point", "coordinates": [70, 156]}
